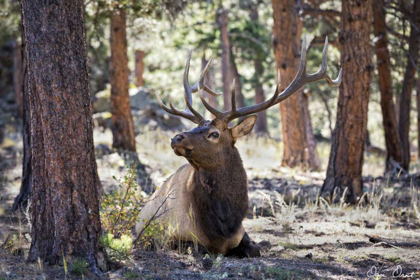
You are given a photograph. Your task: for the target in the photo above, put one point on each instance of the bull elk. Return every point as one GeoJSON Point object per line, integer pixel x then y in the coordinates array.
{"type": "Point", "coordinates": [206, 200]}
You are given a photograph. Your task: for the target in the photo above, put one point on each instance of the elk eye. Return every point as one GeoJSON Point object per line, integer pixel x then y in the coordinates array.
{"type": "Point", "coordinates": [214, 135]}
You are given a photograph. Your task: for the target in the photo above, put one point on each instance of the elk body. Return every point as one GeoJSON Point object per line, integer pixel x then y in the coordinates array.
{"type": "Point", "coordinates": [206, 200]}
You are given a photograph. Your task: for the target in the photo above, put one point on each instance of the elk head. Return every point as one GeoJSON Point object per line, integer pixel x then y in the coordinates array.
{"type": "Point", "coordinates": [209, 143]}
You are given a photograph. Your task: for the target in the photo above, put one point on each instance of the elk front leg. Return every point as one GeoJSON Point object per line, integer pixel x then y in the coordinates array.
{"type": "Point", "coordinates": [246, 249]}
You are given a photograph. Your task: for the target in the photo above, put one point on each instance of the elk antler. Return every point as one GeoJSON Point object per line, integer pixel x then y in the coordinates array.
{"type": "Point", "coordinates": [301, 78]}
{"type": "Point", "coordinates": [189, 112]}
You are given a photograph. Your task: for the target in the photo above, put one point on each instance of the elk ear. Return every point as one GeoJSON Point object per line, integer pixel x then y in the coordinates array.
{"type": "Point", "coordinates": [244, 127]}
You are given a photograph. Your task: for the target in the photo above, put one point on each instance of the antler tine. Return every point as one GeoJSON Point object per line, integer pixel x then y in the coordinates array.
{"type": "Point", "coordinates": [188, 91]}
{"type": "Point", "coordinates": [200, 84]}
{"type": "Point", "coordinates": [233, 98]}
{"type": "Point", "coordinates": [301, 78]}
{"type": "Point", "coordinates": [211, 109]}
{"type": "Point", "coordinates": [174, 111]}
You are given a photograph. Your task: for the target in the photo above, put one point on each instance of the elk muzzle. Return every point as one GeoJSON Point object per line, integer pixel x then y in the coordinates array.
{"type": "Point", "coordinates": [181, 145]}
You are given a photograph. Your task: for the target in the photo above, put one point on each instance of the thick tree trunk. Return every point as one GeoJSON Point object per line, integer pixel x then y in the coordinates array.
{"type": "Point", "coordinates": [287, 29]}
{"type": "Point", "coordinates": [21, 199]}
{"type": "Point", "coordinates": [225, 46]}
{"type": "Point", "coordinates": [349, 138]}
{"type": "Point", "coordinates": [139, 70]}
{"type": "Point", "coordinates": [208, 80]}
{"type": "Point", "coordinates": [408, 84]}
{"type": "Point", "coordinates": [65, 184]}
{"type": "Point", "coordinates": [17, 76]}
{"type": "Point", "coordinates": [122, 120]}
{"type": "Point", "coordinates": [389, 120]}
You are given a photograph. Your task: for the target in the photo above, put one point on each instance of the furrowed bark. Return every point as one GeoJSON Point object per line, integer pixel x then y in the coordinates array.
{"type": "Point", "coordinates": [65, 184]}
{"type": "Point", "coordinates": [349, 138]}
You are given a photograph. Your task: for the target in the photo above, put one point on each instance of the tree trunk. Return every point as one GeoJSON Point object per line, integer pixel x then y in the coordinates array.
{"type": "Point", "coordinates": [139, 57]}
{"type": "Point", "coordinates": [17, 76]}
{"type": "Point", "coordinates": [418, 119]}
{"type": "Point", "coordinates": [389, 120]}
{"type": "Point", "coordinates": [310, 138]}
{"type": "Point", "coordinates": [21, 199]}
{"type": "Point", "coordinates": [225, 46]}
{"type": "Point", "coordinates": [65, 184]}
{"type": "Point", "coordinates": [261, 124]}
{"type": "Point", "coordinates": [349, 138]}
{"type": "Point", "coordinates": [408, 84]}
{"type": "Point", "coordinates": [287, 29]}
{"type": "Point", "coordinates": [122, 120]}
{"type": "Point", "coordinates": [208, 80]}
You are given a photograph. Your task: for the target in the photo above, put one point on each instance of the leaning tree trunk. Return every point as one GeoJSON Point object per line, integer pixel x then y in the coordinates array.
{"type": "Point", "coordinates": [65, 184]}
{"type": "Point", "coordinates": [408, 84]}
{"type": "Point", "coordinates": [389, 120]}
{"type": "Point", "coordinates": [139, 67]}
{"type": "Point", "coordinates": [287, 29]}
{"type": "Point", "coordinates": [21, 199]}
{"type": "Point", "coordinates": [225, 46]}
{"type": "Point", "coordinates": [17, 76]}
{"type": "Point", "coordinates": [349, 138]}
{"type": "Point", "coordinates": [122, 120]}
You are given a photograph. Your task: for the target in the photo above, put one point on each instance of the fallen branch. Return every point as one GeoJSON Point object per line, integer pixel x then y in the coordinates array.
{"type": "Point", "coordinates": [391, 243]}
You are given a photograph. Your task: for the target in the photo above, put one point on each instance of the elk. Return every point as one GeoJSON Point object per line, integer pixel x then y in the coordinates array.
{"type": "Point", "coordinates": [206, 200]}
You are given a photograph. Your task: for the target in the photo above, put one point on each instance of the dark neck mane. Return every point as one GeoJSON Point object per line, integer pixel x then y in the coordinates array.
{"type": "Point", "coordinates": [221, 197]}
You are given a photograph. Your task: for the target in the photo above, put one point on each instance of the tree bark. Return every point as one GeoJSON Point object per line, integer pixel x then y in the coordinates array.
{"type": "Point", "coordinates": [139, 57]}
{"type": "Point", "coordinates": [287, 29]}
{"type": "Point", "coordinates": [225, 46]}
{"type": "Point", "coordinates": [65, 184]}
{"type": "Point", "coordinates": [310, 138]}
{"type": "Point", "coordinates": [21, 199]}
{"type": "Point", "coordinates": [349, 138]}
{"type": "Point", "coordinates": [408, 84]}
{"type": "Point", "coordinates": [418, 119]}
{"type": "Point", "coordinates": [17, 76]}
{"type": "Point", "coordinates": [261, 124]}
{"type": "Point", "coordinates": [122, 120]}
{"type": "Point", "coordinates": [389, 120]}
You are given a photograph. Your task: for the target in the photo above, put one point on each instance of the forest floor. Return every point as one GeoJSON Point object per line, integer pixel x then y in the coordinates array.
{"type": "Point", "coordinates": [301, 237]}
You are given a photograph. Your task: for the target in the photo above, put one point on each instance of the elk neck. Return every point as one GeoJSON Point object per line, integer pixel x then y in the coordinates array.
{"type": "Point", "coordinates": [221, 196]}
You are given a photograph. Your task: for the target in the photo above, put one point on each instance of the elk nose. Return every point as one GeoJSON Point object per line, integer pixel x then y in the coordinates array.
{"type": "Point", "coordinates": [177, 139]}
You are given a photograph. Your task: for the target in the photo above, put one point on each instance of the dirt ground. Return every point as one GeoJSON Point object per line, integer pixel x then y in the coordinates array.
{"type": "Point", "coordinates": [301, 237]}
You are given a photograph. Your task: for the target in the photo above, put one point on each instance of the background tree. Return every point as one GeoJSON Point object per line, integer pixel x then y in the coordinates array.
{"type": "Point", "coordinates": [225, 57]}
{"type": "Point", "coordinates": [122, 120]}
{"type": "Point", "coordinates": [287, 31]}
{"type": "Point", "coordinates": [65, 184]}
{"type": "Point", "coordinates": [389, 120]}
{"type": "Point", "coordinates": [348, 142]}
{"type": "Point", "coordinates": [413, 14]}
